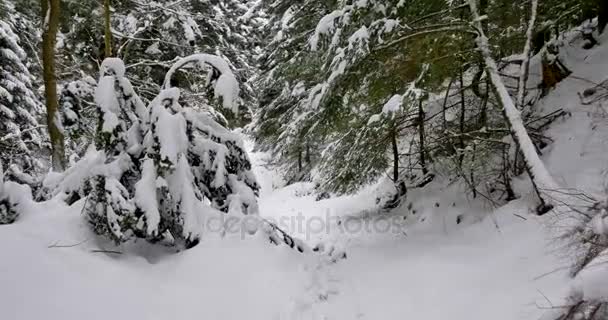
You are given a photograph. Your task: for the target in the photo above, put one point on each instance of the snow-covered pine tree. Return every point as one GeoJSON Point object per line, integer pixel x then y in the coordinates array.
{"type": "Point", "coordinates": [193, 165]}
{"type": "Point", "coordinates": [77, 114]}
{"type": "Point", "coordinates": [324, 80]}
{"type": "Point", "coordinates": [122, 123]}
{"type": "Point", "coordinates": [286, 73]}
{"type": "Point", "coordinates": [149, 35]}
{"type": "Point", "coordinates": [159, 172]}
{"type": "Point", "coordinates": [20, 108]}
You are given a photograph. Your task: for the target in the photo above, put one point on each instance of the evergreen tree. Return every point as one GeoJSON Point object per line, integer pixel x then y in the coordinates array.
{"type": "Point", "coordinates": [158, 172]}
{"type": "Point", "coordinates": [322, 111]}
{"type": "Point", "coordinates": [20, 109]}
{"type": "Point", "coordinates": [122, 121]}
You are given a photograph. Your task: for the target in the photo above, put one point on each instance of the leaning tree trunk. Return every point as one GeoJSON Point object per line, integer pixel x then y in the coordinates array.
{"type": "Point", "coordinates": [463, 111]}
{"type": "Point", "coordinates": [107, 29]}
{"type": "Point", "coordinates": [539, 175]}
{"type": "Point", "coordinates": [51, 10]}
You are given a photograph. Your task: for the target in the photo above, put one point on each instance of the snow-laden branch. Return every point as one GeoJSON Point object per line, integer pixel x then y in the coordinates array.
{"type": "Point", "coordinates": [327, 25]}
{"type": "Point", "coordinates": [226, 85]}
{"type": "Point", "coordinates": [525, 66]}
{"type": "Point", "coordinates": [538, 172]}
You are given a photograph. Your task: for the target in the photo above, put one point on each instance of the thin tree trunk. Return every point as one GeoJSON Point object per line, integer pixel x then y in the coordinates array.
{"type": "Point", "coordinates": [51, 11]}
{"type": "Point", "coordinates": [506, 173]}
{"type": "Point", "coordinates": [541, 178]}
{"type": "Point", "coordinates": [483, 114]}
{"type": "Point", "coordinates": [300, 167]}
{"type": "Point", "coordinates": [107, 29]}
{"type": "Point", "coordinates": [602, 18]}
{"type": "Point", "coordinates": [395, 155]}
{"type": "Point", "coordinates": [525, 66]}
{"type": "Point", "coordinates": [307, 157]}
{"type": "Point", "coordinates": [421, 117]}
{"type": "Point", "coordinates": [462, 119]}
{"type": "Point", "coordinates": [445, 103]}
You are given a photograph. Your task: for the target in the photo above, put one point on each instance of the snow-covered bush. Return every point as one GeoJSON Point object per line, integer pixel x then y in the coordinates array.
{"type": "Point", "coordinates": [588, 294]}
{"type": "Point", "coordinates": [12, 198]}
{"type": "Point", "coordinates": [78, 114]}
{"type": "Point", "coordinates": [158, 172]}
{"type": "Point", "coordinates": [122, 118]}
{"type": "Point", "coordinates": [192, 166]}
{"type": "Point", "coordinates": [389, 194]}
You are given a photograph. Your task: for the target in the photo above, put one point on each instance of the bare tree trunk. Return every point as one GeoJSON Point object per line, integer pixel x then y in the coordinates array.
{"type": "Point", "coordinates": [300, 166]}
{"type": "Point", "coordinates": [462, 119]}
{"type": "Point", "coordinates": [445, 103]}
{"type": "Point", "coordinates": [506, 174]}
{"type": "Point", "coordinates": [107, 29]}
{"type": "Point", "coordinates": [307, 158]}
{"type": "Point", "coordinates": [51, 10]}
{"type": "Point", "coordinates": [395, 155]}
{"type": "Point", "coordinates": [602, 15]}
{"type": "Point", "coordinates": [541, 178]}
{"type": "Point", "coordinates": [421, 117]}
{"type": "Point", "coordinates": [525, 66]}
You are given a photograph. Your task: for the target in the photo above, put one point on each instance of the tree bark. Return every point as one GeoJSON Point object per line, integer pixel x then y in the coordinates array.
{"type": "Point", "coordinates": [445, 103]}
{"type": "Point", "coordinates": [462, 119]}
{"type": "Point", "coordinates": [421, 135]}
{"type": "Point", "coordinates": [300, 166]}
{"type": "Point", "coordinates": [395, 155]}
{"type": "Point", "coordinates": [107, 29]}
{"type": "Point", "coordinates": [602, 17]}
{"type": "Point", "coordinates": [525, 66]}
{"type": "Point", "coordinates": [51, 13]}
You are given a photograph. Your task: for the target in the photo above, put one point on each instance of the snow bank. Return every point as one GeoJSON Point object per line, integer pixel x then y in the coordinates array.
{"type": "Point", "coordinates": [49, 270]}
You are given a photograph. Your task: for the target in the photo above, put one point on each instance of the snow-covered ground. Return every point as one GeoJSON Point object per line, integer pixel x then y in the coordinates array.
{"type": "Point", "coordinates": [494, 264]}
{"type": "Point", "coordinates": [503, 267]}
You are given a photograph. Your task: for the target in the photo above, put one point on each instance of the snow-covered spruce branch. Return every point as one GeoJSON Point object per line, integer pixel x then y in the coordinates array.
{"type": "Point", "coordinates": [540, 176]}
{"type": "Point", "coordinates": [226, 86]}
{"type": "Point", "coordinates": [451, 28]}
{"type": "Point", "coordinates": [17, 134]}
{"type": "Point", "coordinates": [122, 36]}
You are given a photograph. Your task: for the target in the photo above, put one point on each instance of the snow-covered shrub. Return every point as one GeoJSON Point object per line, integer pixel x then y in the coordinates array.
{"type": "Point", "coordinates": [12, 198]}
{"type": "Point", "coordinates": [588, 294]}
{"type": "Point", "coordinates": [389, 194]}
{"type": "Point", "coordinates": [158, 172]}
{"type": "Point", "coordinates": [122, 119]}
{"type": "Point", "coordinates": [192, 165]}
{"type": "Point", "coordinates": [78, 114]}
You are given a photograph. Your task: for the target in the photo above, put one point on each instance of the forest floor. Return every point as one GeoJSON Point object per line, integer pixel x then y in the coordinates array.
{"type": "Point", "coordinates": [446, 256]}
